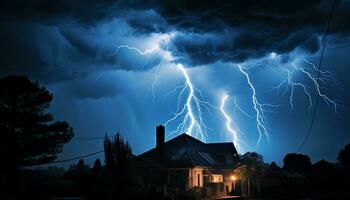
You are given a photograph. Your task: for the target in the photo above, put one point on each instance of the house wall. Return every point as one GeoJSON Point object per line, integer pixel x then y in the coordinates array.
{"type": "Point", "coordinates": [227, 182]}
{"type": "Point", "coordinates": [186, 178]}
{"type": "Point", "coordinates": [194, 173]}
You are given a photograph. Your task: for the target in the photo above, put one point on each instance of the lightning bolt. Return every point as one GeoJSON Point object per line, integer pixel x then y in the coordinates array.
{"type": "Point", "coordinates": [258, 107]}
{"type": "Point", "coordinates": [191, 112]}
{"type": "Point", "coordinates": [145, 52]}
{"type": "Point", "coordinates": [191, 103]}
{"type": "Point", "coordinates": [291, 85]}
{"type": "Point", "coordinates": [191, 124]}
{"type": "Point", "coordinates": [235, 137]}
{"type": "Point", "coordinates": [316, 77]}
{"type": "Point", "coordinates": [324, 77]}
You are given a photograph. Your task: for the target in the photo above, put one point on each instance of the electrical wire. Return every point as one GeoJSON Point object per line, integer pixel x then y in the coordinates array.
{"type": "Point", "coordinates": [309, 130]}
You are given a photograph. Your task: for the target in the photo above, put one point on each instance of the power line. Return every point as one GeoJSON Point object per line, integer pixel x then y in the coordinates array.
{"type": "Point", "coordinates": [70, 159]}
{"type": "Point", "coordinates": [79, 139]}
{"type": "Point", "coordinates": [78, 157]}
{"type": "Point", "coordinates": [308, 132]}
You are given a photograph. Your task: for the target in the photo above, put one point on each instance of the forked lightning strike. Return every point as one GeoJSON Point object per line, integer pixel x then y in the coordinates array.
{"type": "Point", "coordinates": [235, 137]}
{"type": "Point", "coordinates": [191, 118]}
{"type": "Point", "coordinates": [189, 115]}
{"type": "Point", "coordinates": [191, 124]}
{"type": "Point", "coordinates": [321, 76]}
{"type": "Point", "coordinates": [258, 107]}
{"type": "Point", "coordinates": [316, 77]}
{"type": "Point", "coordinates": [145, 52]}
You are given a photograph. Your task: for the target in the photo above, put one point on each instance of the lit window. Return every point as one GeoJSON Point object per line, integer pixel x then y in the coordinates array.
{"type": "Point", "coordinates": [217, 178]}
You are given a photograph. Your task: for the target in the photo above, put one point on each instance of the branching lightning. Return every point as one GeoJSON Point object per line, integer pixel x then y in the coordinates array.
{"type": "Point", "coordinates": [190, 113]}
{"type": "Point", "coordinates": [191, 124]}
{"type": "Point", "coordinates": [145, 52]}
{"type": "Point", "coordinates": [315, 76]}
{"type": "Point", "coordinates": [324, 76]}
{"type": "Point", "coordinates": [188, 117]}
{"type": "Point", "coordinates": [237, 141]}
{"type": "Point", "coordinates": [291, 85]}
{"type": "Point", "coordinates": [261, 125]}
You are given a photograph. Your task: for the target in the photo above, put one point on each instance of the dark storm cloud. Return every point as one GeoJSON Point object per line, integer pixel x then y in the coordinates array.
{"type": "Point", "coordinates": [62, 40]}
{"type": "Point", "coordinates": [249, 29]}
{"type": "Point", "coordinates": [273, 15]}
{"type": "Point", "coordinates": [65, 40]}
{"type": "Point", "coordinates": [240, 29]}
{"type": "Point", "coordinates": [198, 49]}
{"type": "Point", "coordinates": [34, 50]}
{"type": "Point", "coordinates": [147, 21]}
{"type": "Point", "coordinates": [48, 54]}
{"type": "Point", "coordinates": [85, 11]}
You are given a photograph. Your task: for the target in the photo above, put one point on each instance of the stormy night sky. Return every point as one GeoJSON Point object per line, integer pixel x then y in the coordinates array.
{"type": "Point", "coordinates": [116, 66]}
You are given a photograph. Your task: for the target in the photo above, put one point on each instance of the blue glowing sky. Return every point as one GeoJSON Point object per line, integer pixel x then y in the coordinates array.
{"type": "Point", "coordinates": [71, 47]}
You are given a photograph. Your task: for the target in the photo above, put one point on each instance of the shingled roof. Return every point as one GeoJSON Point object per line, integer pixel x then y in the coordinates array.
{"type": "Point", "coordinates": [186, 151]}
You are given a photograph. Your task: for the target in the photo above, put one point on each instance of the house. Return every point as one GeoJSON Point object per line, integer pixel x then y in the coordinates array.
{"type": "Point", "coordinates": [185, 163]}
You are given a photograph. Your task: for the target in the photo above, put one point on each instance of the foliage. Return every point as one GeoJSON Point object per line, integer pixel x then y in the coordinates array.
{"type": "Point", "coordinates": [297, 162]}
{"type": "Point", "coordinates": [251, 165]}
{"type": "Point", "coordinates": [344, 156]}
{"type": "Point", "coordinates": [323, 169]}
{"type": "Point", "coordinates": [273, 165]}
{"type": "Point", "coordinates": [117, 153]}
{"type": "Point", "coordinates": [97, 167]}
{"type": "Point", "coordinates": [118, 160]}
{"type": "Point", "coordinates": [29, 133]}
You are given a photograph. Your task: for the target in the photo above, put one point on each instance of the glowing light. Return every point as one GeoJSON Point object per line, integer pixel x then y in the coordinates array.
{"type": "Point", "coordinates": [233, 178]}
{"type": "Point", "coordinates": [190, 101]}
{"type": "Point", "coordinates": [145, 52]}
{"type": "Point", "coordinates": [289, 84]}
{"type": "Point", "coordinates": [191, 112]}
{"type": "Point", "coordinates": [258, 107]}
{"type": "Point", "coordinates": [324, 77]}
{"type": "Point", "coordinates": [273, 55]}
{"type": "Point", "coordinates": [191, 124]}
{"type": "Point", "coordinates": [229, 128]}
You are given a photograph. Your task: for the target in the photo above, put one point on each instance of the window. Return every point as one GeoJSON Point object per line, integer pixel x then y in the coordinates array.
{"type": "Point", "coordinates": [217, 178]}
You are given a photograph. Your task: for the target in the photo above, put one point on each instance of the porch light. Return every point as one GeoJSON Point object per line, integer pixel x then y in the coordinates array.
{"type": "Point", "coordinates": [233, 178]}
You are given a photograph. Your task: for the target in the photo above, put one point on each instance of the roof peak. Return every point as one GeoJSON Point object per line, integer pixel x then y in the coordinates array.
{"type": "Point", "coordinates": [190, 136]}
{"type": "Point", "coordinates": [185, 135]}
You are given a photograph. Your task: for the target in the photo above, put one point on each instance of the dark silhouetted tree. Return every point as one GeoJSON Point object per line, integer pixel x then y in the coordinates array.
{"type": "Point", "coordinates": [29, 135]}
{"type": "Point", "coordinates": [344, 157]}
{"type": "Point", "coordinates": [28, 131]}
{"type": "Point", "coordinates": [118, 160]}
{"type": "Point", "coordinates": [97, 167]}
{"type": "Point", "coordinates": [81, 165]}
{"type": "Point", "coordinates": [109, 155]}
{"type": "Point", "coordinates": [252, 168]}
{"type": "Point", "coordinates": [297, 162]}
{"type": "Point", "coordinates": [323, 169]}
{"type": "Point", "coordinates": [273, 165]}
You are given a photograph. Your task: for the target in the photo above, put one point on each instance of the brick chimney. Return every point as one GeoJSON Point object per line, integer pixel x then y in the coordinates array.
{"type": "Point", "coordinates": [160, 136]}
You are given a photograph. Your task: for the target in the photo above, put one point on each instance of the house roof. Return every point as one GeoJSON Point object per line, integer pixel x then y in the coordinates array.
{"type": "Point", "coordinates": [186, 151]}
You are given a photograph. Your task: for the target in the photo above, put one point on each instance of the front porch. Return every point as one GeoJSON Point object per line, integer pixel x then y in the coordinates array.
{"type": "Point", "coordinates": [202, 180]}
